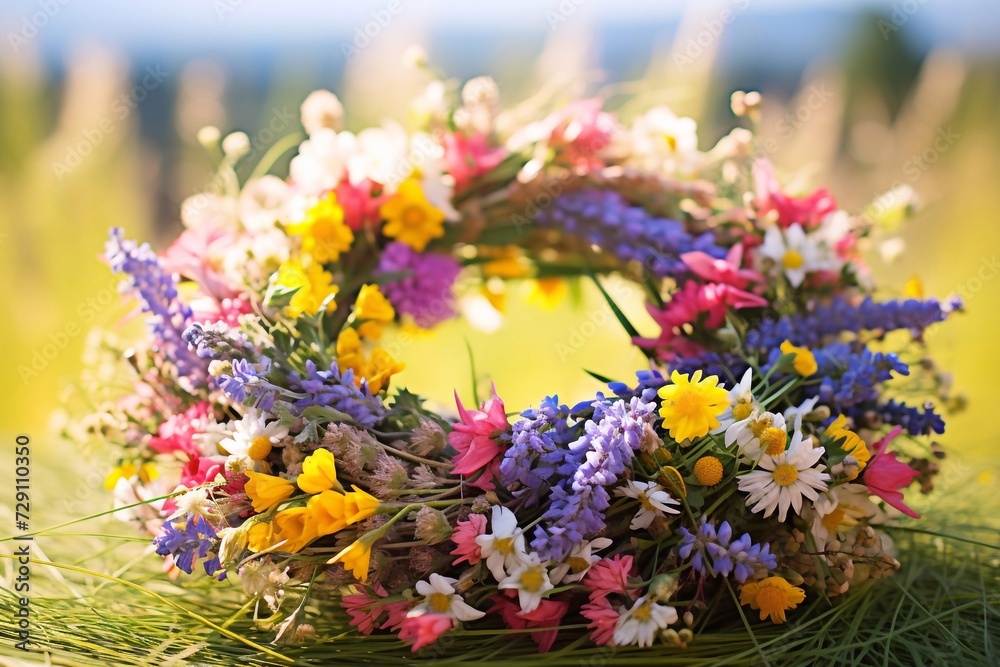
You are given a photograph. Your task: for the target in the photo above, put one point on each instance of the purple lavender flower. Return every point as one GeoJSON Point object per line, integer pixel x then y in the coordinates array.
{"type": "Point", "coordinates": [187, 542]}
{"type": "Point", "coordinates": [741, 558]}
{"type": "Point", "coordinates": [593, 462]}
{"type": "Point", "coordinates": [748, 558]}
{"type": "Point", "coordinates": [536, 447]}
{"type": "Point", "coordinates": [332, 389]}
{"type": "Point", "coordinates": [250, 379]}
{"type": "Point", "coordinates": [826, 321]}
{"type": "Point", "coordinates": [915, 420]}
{"type": "Point", "coordinates": [425, 293]}
{"type": "Point", "coordinates": [219, 341]}
{"type": "Point", "coordinates": [605, 219]}
{"type": "Point", "coordinates": [156, 291]}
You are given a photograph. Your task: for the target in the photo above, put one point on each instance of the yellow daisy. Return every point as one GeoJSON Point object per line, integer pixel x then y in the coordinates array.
{"type": "Point", "coordinates": [410, 218]}
{"type": "Point", "coordinates": [692, 405]}
{"type": "Point", "coordinates": [772, 596]}
{"type": "Point", "coordinates": [323, 231]}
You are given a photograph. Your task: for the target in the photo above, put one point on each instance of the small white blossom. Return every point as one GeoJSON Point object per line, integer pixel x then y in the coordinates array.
{"type": "Point", "coordinates": [531, 580]}
{"type": "Point", "coordinates": [640, 624]}
{"type": "Point", "coordinates": [653, 499]}
{"type": "Point", "coordinates": [503, 548]}
{"type": "Point", "coordinates": [440, 598]}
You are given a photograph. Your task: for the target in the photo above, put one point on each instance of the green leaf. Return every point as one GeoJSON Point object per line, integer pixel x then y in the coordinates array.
{"type": "Point", "coordinates": [597, 376]}
{"type": "Point", "coordinates": [624, 321]}
{"type": "Point", "coordinates": [326, 414]}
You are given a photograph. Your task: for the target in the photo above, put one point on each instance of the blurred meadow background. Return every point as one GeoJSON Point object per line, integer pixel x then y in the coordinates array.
{"type": "Point", "coordinates": [100, 103]}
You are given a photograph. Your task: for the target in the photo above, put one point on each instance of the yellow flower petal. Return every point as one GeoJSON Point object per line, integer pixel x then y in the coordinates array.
{"type": "Point", "coordinates": [319, 473]}
{"type": "Point", "coordinates": [266, 491]}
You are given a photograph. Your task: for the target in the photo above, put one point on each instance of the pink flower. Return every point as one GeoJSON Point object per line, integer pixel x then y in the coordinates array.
{"type": "Point", "coordinates": [726, 271]}
{"type": "Point", "coordinates": [177, 433]}
{"type": "Point", "coordinates": [201, 469]}
{"type": "Point", "coordinates": [609, 576]}
{"type": "Point", "coordinates": [807, 211]}
{"type": "Point", "coordinates": [694, 303]}
{"type": "Point", "coordinates": [467, 158]}
{"type": "Point", "coordinates": [548, 614]}
{"type": "Point", "coordinates": [193, 255]}
{"type": "Point", "coordinates": [365, 609]}
{"type": "Point", "coordinates": [475, 438]}
{"type": "Point", "coordinates": [209, 309]}
{"type": "Point", "coordinates": [360, 207]}
{"type": "Point", "coordinates": [425, 629]}
{"type": "Point", "coordinates": [885, 475]}
{"type": "Point", "coordinates": [603, 620]}
{"type": "Point", "coordinates": [464, 537]}
{"type": "Point", "coordinates": [580, 131]}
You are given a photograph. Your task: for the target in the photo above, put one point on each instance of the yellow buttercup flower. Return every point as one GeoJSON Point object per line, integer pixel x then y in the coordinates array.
{"type": "Point", "coordinates": [327, 510]}
{"type": "Point", "coordinates": [507, 262]}
{"type": "Point", "coordinates": [371, 330]}
{"type": "Point", "coordinates": [314, 286]}
{"type": "Point", "coordinates": [357, 557]}
{"type": "Point", "coordinates": [772, 596]}
{"type": "Point", "coordinates": [913, 289]}
{"type": "Point", "coordinates": [804, 363]}
{"type": "Point", "coordinates": [691, 405]}
{"type": "Point", "coordinates": [146, 473]}
{"type": "Point", "coordinates": [266, 491]}
{"type": "Point", "coordinates": [853, 444]}
{"type": "Point", "coordinates": [324, 234]}
{"type": "Point", "coordinates": [410, 218]}
{"type": "Point", "coordinates": [319, 473]}
{"type": "Point", "coordinates": [382, 368]}
{"type": "Point", "coordinates": [371, 304]}
{"type": "Point", "coordinates": [295, 527]}
{"type": "Point", "coordinates": [359, 505]}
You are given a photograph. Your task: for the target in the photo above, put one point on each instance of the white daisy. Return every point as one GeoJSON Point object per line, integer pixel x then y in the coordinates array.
{"type": "Point", "coordinates": [640, 624]}
{"type": "Point", "coordinates": [794, 415]}
{"type": "Point", "coordinates": [251, 439]}
{"type": "Point", "coordinates": [531, 581]}
{"type": "Point", "coordinates": [784, 479]}
{"type": "Point", "coordinates": [741, 403]}
{"type": "Point", "coordinates": [322, 161]}
{"type": "Point", "coordinates": [838, 510]}
{"type": "Point", "coordinates": [194, 502]}
{"type": "Point", "coordinates": [579, 561]}
{"type": "Point", "coordinates": [663, 142]}
{"type": "Point", "coordinates": [263, 202]}
{"type": "Point", "coordinates": [748, 433]}
{"type": "Point", "coordinates": [440, 598]}
{"type": "Point", "coordinates": [503, 549]}
{"type": "Point", "coordinates": [795, 253]}
{"type": "Point", "coordinates": [653, 499]}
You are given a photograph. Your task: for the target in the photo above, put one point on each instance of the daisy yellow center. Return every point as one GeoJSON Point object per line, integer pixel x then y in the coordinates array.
{"type": "Point", "coordinates": [833, 520]}
{"type": "Point", "coordinates": [785, 474]}
{"type": "Point", "coordinates": [259, 448]}
{"type": "Point", "coordinates": [439, 602]}
{"type": "Point", "coordinates": [771, 600]}
{"type": "Point", "coordinates": [532, 579]}
{"type": "Point", "coordinates": [708, 470]}
{"type": "Point", "coordinates": [773, 440]}
{"type": "Point", "coordinates": [643, 613]}
{"type": "Point", "coordinates": [577, 564]}
{"type": "Point", "coordinates": [741, 411]}
{"type": "Point", "coordinates": [504, 545]}
{"type": "Point", "coordinates": [671, 142]}
{"type": "Point", "coordinates": [792, 259]}
{"type": "Point", "coordinates": [645, 502]}
{"type": "Point", "coordinates": [760, 425]}
{"type": "Point", "coordinates": [414, 216]}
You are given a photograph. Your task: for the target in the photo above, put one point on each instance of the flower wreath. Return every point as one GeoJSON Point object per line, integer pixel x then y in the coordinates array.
{"type": "Point", "coordinates": [760, 451]}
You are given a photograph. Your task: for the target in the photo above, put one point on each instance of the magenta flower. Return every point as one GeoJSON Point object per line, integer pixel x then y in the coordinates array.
{"type": "Point", "coordinates": [603, 620]}
{"type": "Point", "coordinates": [425, 292]}
{"type": "Point", "coordinates": [580, 132]}
{"type": "Point", "coordinates": [476, 437]}
{"type": "Point", "coordinates": [725, 271]}
{"type": "Point", "coordinates": [177, 433]}
{"type": "Point", "coordinates": [468, 157]}
{"type": "Point", "coordinates": [807, 211]}
{"type": "Point", "coordinates": [886, 475]}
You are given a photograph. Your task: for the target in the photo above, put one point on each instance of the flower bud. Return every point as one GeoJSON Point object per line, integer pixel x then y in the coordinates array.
{"type": "Point", "coordinates": [432, 526]}
{"type": "Point", "coordinates": [236, 145]}
{"type": "Point", "coordinates": [663, 586]}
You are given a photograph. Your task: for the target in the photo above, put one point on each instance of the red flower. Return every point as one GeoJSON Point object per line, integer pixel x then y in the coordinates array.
{"type": "Point", "coordinates": [361, 208]}
{"type": "Point", "coordinates": [548, 614]}
{"type": "Point", "coordinates": [885, 475]}
{"type": "Point", "coordinates": [177, 433]}
{"type": "Point", "coordinates": [475, 438]}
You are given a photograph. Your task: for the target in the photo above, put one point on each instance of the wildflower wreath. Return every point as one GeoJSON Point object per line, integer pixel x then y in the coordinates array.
{"type": "Point", "coordinates": [751, 467]}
